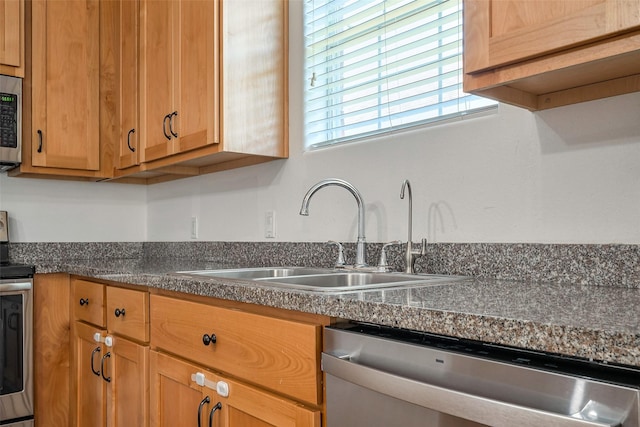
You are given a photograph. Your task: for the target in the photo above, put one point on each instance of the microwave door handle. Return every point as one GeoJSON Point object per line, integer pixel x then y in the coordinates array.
{"type": "Point", "coordinates": [463, 405]}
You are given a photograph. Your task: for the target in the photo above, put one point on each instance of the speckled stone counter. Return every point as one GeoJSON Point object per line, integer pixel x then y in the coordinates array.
{"type": "Point", "coordinates": [593, 322]}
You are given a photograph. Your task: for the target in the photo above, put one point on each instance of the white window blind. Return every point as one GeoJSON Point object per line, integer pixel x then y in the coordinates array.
{"type": "Point", "coordinates": [373, 66]}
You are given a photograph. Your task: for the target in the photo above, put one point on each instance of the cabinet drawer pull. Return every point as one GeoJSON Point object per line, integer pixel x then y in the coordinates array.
{"type": "Point", "coordinates": [175, 113]}
{"type": "Point", "coordinates": [84, 301]}
{"type": "Point", "coordinates": [209, 339]}
{"type": "Point", "coordinates": [106, 356]}
{"type": "Point", "coordinates": [95, 350]}
{"type": "Point", "coordinates": [40, 141]}
{"type": "Point", "coordinates": [213, 411]}
{"type": "Point", "coordinates": [119, 312]}
{"type": "Point", "coordinates": [133, 150]}
{"type": "Point", "coordinates": [205, 400]}
{"type": "Point", "coordinates": [164, 127]}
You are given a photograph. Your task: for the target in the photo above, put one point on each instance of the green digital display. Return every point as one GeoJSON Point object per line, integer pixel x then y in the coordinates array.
{"type": "Point", "coordinates": [6, 98]}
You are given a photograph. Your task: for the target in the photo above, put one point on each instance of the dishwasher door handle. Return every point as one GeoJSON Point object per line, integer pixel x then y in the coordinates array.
{"type": "Point", "coordinates": [458, 404]}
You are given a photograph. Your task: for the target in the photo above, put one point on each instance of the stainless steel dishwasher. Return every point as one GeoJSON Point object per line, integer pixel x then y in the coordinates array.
{"type": "Point", "coordinates": [378, 376]}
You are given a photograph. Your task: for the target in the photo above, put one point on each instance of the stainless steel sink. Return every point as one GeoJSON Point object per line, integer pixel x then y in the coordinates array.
{"type": "Point", "coordinates": [258, 272]}
{"type": "Point", "coordinates": [325, 280]}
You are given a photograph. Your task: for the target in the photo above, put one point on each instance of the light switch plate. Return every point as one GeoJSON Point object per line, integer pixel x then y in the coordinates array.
{"type": "Point", "coordinates": [270, 225]}
{"type": "Point", "coordinates": [194, 227]}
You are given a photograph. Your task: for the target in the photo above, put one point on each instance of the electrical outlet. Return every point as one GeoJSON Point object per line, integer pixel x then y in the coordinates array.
{"type": "Point", "coordinates": [270, 225]}
{"type": "Point", "coordinates": [194, 227]}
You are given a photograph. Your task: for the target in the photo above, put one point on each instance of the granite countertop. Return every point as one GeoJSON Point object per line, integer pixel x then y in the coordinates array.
{"type": "Point", "coordinates": [592, 322]}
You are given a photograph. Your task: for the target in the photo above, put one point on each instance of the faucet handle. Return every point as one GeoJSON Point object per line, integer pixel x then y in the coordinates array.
{"type": "Point", "coordinates": [419, 252]}
{"type": "Point", "coordinates": [340, 262]}
{"type": "Point", "coordinates": [382, 264]}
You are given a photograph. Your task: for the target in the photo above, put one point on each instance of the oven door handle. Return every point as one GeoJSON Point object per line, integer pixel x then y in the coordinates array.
{"type": "Point", "coordinates": [463, 405]}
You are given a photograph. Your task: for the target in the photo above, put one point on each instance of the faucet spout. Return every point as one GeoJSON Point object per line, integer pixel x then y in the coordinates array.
{"type": "Point", "coordinates": [410, 253]}
{"type": "Point", "coordinates": [304, 210]}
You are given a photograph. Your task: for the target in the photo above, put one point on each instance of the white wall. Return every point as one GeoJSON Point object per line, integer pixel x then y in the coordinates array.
{"type": "Point", "coordinates": [46, 210]}
{"type": "Point", "coordinates": [568, 175]}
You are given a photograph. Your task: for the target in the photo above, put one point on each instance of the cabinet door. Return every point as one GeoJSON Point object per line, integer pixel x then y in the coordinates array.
{"type": "Point", "coordinates": [499, 32]}
{"type": "Point", "coordinates": [196, 75]}
{"type": "Point", "coordinates": [128, 391]}
{"type": "Point", "coordinates": [90, 396]}
{"type": "Point", "coordinates": [156, 87]}
{"type": "Point", "coordinates": [65, 68]}
{"type": "Point", "coordinates": [129, 130]}
{"type": "Point", "coordinates": [12, 37]}
{"type": "Point", "coordinates": [175, 399]}
{"type": "Point", "coordinates": [251, 407]}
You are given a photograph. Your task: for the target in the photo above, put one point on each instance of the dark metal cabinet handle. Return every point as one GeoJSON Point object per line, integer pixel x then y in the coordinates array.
{"type": "Point", "coordinates": [164, 126]}
{"type": "Point", "coordinates": [40, 141]}
{"type": "Point", "coordinates": [209, 339]}
{"type": "Point", "coordinates": [119, 312]}
{"type": "Point", "coordinates": [95, 350]}
{"type": "Point", "coordinates": [215, 408]}
{"type": "Point", "coordinates": [133, 150]}
{"type": "Point", "coordinates": [106, 356]}
{"type": "Point", "coordinates": [205, 400]}
{"type": "Point", "coordinates": [84, 301]}
{"type": "Point", "coordinates": [175, 113]}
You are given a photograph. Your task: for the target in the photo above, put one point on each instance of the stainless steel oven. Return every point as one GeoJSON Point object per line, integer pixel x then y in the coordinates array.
{"type": "Point", "coordinates": [16, 351]}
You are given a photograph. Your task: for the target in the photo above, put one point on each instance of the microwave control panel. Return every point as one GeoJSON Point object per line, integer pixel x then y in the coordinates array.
{"type": "Point", "coordinates": [8, 120]}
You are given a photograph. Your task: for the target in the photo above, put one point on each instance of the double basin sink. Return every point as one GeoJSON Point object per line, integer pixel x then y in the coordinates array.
{"type": "Point", "coordinates": [324, 279]}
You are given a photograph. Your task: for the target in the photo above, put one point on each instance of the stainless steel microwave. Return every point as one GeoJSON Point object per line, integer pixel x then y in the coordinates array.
{"type": "Point", "coordinates": [10, 122]}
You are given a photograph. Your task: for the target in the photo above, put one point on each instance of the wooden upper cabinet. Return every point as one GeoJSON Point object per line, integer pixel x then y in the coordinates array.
{"type": "Point", "coordinates": [179, 80]}
{"type": "Point", "coordinates": [66, 85]}
{"type": "Point", "coordinates": [507, 31]}
{"type": "Point", "coordinates": [129, 147]}
{"type": "Point", "coordinates": [255, 92]}
{"type": "Point", "coordinates": [12, 37]}
{"type": "Point", "coordinates": [545, 54]}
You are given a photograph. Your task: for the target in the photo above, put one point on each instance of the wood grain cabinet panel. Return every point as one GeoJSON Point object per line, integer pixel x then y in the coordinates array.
{"type": "Point", "coordinates": [66, 85]}
{"type": "Point", "coordinates": [178, 401]}
{"type": "Point", "coordinates": [70, 89]}
{"type": "Point", "coordinates": [88, 302]}
{"type": "Point", "coordinates": [12, 37]}
{"type": "Point", "coordinates": [278, 354]}
{"type": "Point", "coordinates": [110, 364]}
{"type": "Point", "coordinates": [129, 147]}
{"type": "Point", "coordinates": [128, 313]}
{"type": "Point", "coordinates": [52, 346]}
{"type": "Point", "coordinates": [545, 54]}
{"type": "Point", "coordinates": [179, 90]}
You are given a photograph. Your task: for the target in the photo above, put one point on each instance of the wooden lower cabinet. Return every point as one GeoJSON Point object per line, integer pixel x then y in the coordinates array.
{"type": "Point", "coordinates": [128, 392]}
{"type": "Point", "coordinates": [91, 389]}
{"type": "Point", "coordinates": [51, 341]}
{"type": "Point", "coordinates": [99, 374]}
{"type": "Point", "coordinates": [176, 400]}
{"type": "Point", "coordinates": [111, 381]}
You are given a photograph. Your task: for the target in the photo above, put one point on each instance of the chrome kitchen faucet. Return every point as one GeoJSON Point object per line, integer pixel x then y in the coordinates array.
{"type": "Point", "coordinates": [411, 254]}
{"type": "Point", "coordinates": [361, 245]}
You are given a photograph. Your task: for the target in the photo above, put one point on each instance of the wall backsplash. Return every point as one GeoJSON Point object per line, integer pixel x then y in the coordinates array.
{"type": "Point", "coordinates": [597, 265]}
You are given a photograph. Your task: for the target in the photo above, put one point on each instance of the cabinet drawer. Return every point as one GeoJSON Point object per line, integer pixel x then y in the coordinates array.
{"type": "Point", "coordinates": [88, 302]}
{"type": "Point", "coordinates": [128, 313]}
{"type": "Point", "coordinates": [279, 354]}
